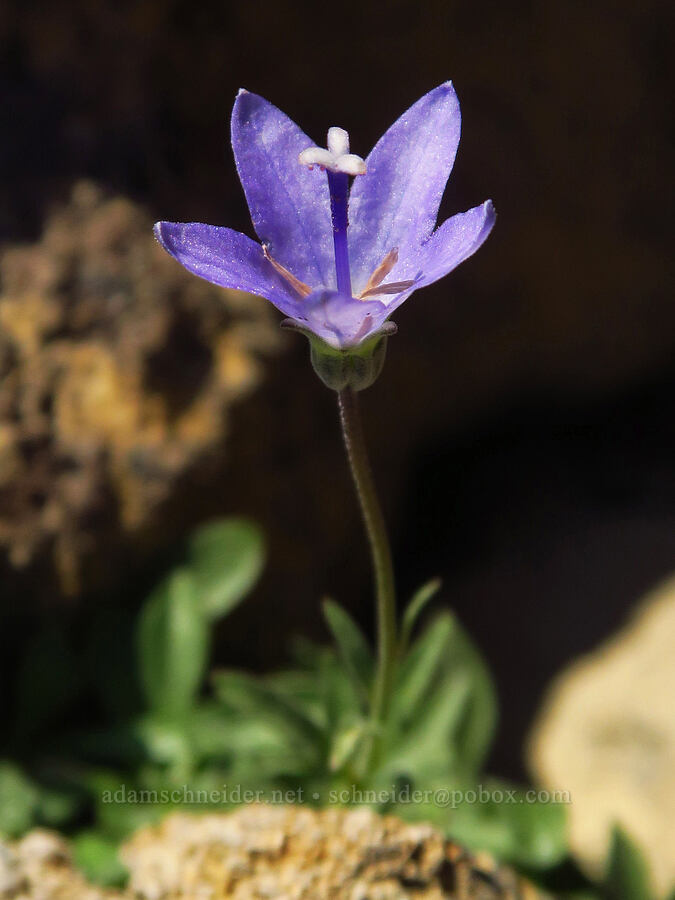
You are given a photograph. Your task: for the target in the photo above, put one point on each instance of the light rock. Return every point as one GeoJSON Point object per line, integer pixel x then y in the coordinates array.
{"type": "Point", "coordinates": [269, 853]}
{"type": "Point", "coordinates": [39, 867]}
{"type": "Point", "coordinates": [607, 735]}
{"type": "Point", "coordinates": [295, 853]}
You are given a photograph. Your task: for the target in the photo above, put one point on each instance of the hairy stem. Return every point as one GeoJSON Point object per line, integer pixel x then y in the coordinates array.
{"type": "Point", "coordinates": [380, 551]}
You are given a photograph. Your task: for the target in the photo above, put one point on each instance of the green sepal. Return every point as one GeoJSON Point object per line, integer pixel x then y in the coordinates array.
{"type": "Point", "coordinates": [353, 367]}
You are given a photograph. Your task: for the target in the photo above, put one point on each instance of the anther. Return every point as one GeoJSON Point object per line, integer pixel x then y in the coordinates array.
{"type": "Point", "coordinates": [302, 289]}
{"type": "Point", "coordinates": [374, 284]}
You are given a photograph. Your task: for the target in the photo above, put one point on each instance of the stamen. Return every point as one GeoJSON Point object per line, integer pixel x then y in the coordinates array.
{"type": "Point", "coordinates": [363, 330]}
{"type": "Point", "coordinates": [302, 289]}
{"type": "Point", "coordinates": [393, 287]}
{"type": "Point", "coordinates": [374, 285]}
{"type": "Point", "coordinates": [382, 270]}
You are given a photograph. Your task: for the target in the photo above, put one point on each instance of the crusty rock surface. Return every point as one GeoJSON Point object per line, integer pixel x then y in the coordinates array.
{"type": "Point", "coordinates": [296, 853]}
{"type": "Point", "coordinates": [269, 853]}
{"type": "Point", "coordinates": [118, 374]}
{"type": "Point", "coordinates": [607, 735]}
{"type": "Point", "coordinates": [39, 867]}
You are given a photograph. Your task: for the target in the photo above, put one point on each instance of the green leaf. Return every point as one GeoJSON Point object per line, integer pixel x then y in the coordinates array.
{"type": "Point", "coordinates": [427, 749]}
{"type": "Point", "coordinates": [444, 660]}
{"type": "Point", "coordinates": [117, 820]}
{"type": "Point", "coordinates": [444, 709]}
{"type": "Point", "coordinates": [48, 681]}
{"type": "Point", "coordinates": [339, 701]}
{"type": "Point", "coordinates": [323, 690]}
{"type": "Point", "coordinates": [263, 704]}
{"type": "Point", "coordinates": [306, 653]}
{"type": "Point", "coordinates": [167, 742]}
{"type": "Point", "coordinates": [524, 833]}
{"type": "Point", "coordinates": [419, 600]}
{"type": "Point", "coordinates": [98, 858]}
{"type": "Point", "coordinates": [226, 558]}
{"type": "Point", "coordinates": [419, 669]}
{"type": "Point", "coordinates": [19, 798]}
{"type": "Point", "coordinates": [477, 727]}
{"type": "Point", "coordinates": [352, 647]}
{"type": "Point", "coordinates": [627, 875]}
{"type": "Point", "coordinates": [124, 802]}
{"type": "Point", "coordinates": [172, 643]}
{"type": "Point", "coordinates": [55, 808]}
{"type": "Point", "coordinates": [348, 743]}
{"type": "Point", "coordinates": [210, 727]}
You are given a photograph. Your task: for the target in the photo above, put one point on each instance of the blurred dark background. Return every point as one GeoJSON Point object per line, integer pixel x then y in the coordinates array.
{"type": "Point", "coordinates": [522, 432]}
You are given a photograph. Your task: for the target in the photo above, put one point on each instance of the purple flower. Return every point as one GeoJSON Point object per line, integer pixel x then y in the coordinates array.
{"type": "Point", "coordinates": [336, 261]}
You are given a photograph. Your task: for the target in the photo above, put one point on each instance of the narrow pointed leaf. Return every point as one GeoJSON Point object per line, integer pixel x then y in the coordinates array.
{"type": "Point", "coordinates": [352, 647]}
{"type": "Point", "coordinates": [444, 658]}
{"type": "Point", "coordinates": [347, 745]}
{"type": "Point", "coordinates": [477, 728]}
{"type": "Point", "coordinates": [427, 748]}
{"type": "Point", "coordinates": [420, 667]}
{"type": "Point", "coordinates": [416, 606]}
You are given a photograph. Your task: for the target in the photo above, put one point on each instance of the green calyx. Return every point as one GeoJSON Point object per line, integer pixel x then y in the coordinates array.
{"type": "Point", "coordinates": [353, 367]}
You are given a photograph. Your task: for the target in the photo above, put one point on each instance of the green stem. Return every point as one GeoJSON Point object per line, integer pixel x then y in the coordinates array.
{"type": "Point", "coordinates": [383, 568]}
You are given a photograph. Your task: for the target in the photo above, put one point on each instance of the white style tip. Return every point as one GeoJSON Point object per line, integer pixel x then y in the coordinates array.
{"type": "Point", "coordinates": [336, 158]}
{"type": "Point", "coordinates": [338, 141]}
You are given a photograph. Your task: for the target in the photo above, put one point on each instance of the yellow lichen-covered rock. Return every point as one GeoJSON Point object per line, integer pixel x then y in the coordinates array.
{"type": "Point", "coordinates": [273, 852]}
{"type": "Point", "coordinates": [607, 735]}
{"type": "Point", "coordinates": [39, 867]}
{"type": "Point", "coordinates": [118, 374]}
{"type": "Point", "coordinates": [296, 853]}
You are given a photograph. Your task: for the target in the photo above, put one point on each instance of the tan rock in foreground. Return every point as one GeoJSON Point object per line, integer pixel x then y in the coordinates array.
{"type": "Point", "coordinates": [39, 867]}
{"type": "Point", "coordinates": [295, 853]}
{"type": "Point", "coordinates": [607, 735]}
{"type": "Point", "coordinates": [272, 852]}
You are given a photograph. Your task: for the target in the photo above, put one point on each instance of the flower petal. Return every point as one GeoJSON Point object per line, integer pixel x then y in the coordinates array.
{"type": "Point", "coordinates": [395, 204]}
{"type": "Point", "coordinates": [290, 205]}
{"type": "Point", "coordinates": [227, 258]}
{"type": "Point", "coordinates": [456, 240]}
{"type": "Point", "coordinates": [339, 320]}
